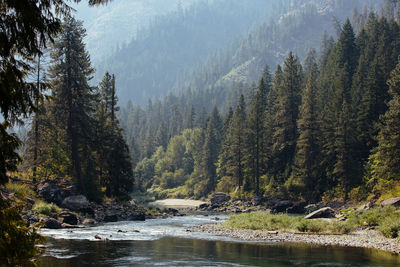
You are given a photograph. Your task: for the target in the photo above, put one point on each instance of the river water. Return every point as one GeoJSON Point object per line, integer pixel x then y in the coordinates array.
{"type": "Point", "coordinates": [165, 242]}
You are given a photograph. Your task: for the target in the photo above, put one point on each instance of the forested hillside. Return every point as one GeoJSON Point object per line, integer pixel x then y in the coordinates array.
{"type": "Point", "coordinates": [232, 71]}
{"type": "Point", "coordinates": [193, 47]}
{"type": "Point", "coordinates": [149, 65]}
{"type": "Point", "coordinates": [314, 130]}
{"type": "Point", "coordinates": [111, 26]}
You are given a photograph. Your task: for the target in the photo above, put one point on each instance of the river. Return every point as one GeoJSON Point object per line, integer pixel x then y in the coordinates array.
{"type": "Point", "coordinates": [165, 242]}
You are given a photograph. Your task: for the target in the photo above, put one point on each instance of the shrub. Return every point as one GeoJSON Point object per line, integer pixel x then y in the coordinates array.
{"type": "Point", "coordinates": [44, 208]}
{"type": "Point", "coordinates": [390, 226]}
{"type": "Point", "coordinates": [20, 190]}
{"type": "Point", "coordinates": [303, 225]}
{"type": "Point", "coordinates": [261, 221]}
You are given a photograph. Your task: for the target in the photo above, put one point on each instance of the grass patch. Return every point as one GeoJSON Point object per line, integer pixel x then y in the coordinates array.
{"type": "Point", "coordinates": [20, 190]}
{"type": "Point", "coordinates": [261, 221]}
{"type": "Point", "coordinates": [285, 223]}
{"type": "Point", "coordinates": [385, 220]}
{"type": "Point", "coordinates": [44, 208]}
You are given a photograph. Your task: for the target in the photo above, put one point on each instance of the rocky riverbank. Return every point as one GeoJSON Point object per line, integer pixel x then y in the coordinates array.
{"type": "Point", "coordinates": [62, 208]}
{"type": "Point", "coordinates": [363, 238]}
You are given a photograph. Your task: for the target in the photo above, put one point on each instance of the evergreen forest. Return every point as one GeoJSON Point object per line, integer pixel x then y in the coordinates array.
{"type": "Point", "coordinates": [316, 129]}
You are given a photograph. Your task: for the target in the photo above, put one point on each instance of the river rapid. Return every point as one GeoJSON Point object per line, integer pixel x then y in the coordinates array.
{"type": "Point", "coordinates": [166, 242]}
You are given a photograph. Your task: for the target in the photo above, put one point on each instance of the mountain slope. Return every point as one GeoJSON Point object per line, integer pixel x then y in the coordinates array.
{"type": "Point", "coordinates": [113, 25]}
{"type": "Point", "coordinates": [148, 66]}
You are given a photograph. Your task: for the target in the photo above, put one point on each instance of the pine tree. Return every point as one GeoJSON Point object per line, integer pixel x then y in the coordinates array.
{"type": "Point", "coordinates": [190, 118]}
{"type": "Point", "coordinates": [202, 118]}
{"type": "Point", "coordinates": [211, 148]}
{"type": "Point", "coordinates": [285, 118]}
{"type": "Point", "coordinates": [256, 133]}
{"type": "Point", "coordinates": [337, 126]}
{"type": "Point", "coordinates": [233, 150]}
{"type": "Point", "coordinates": [161, 137]}
{"type": "Point", "coordinates": [114, 161]}
{"type": "Point", "coordinates": [386, 157]}
{"type": "Point", "coordinates": [306, 166]}
{"type": "Point", "coordinates": [74, 99]}
{"type": "Point", "coordinates": [107, 87]}
{"type": "Point", "coordinates": [346, 168]}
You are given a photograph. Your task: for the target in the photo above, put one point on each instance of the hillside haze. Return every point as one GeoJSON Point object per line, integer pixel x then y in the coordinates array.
{"type": "Point", "coordinates": [113, 25]}
{"type": "Point", "coordinates": [206, 43]}
{"type": "Point", "coordinates": [149, 65]}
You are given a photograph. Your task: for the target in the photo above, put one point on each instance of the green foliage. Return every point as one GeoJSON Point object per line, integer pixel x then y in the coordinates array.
{"type": "Point", "coordinates": [44, 208]}
{"type": "Point", "coordinates": [261, 221]}
{"type": "Point", "coordinates": [390, 226]}
{"type": "Point", "coordinates": [286, 223]}
{"type": "Point", "coordinates": [20, 190]}
{"type": "Point", "coordinates": [386, 158]}
{"type": "Point", "coordinates": [17, 241]}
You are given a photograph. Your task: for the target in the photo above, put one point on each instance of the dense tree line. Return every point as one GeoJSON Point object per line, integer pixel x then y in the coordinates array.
{"type": "Point", "coordinates": [324, 128]}
{"type": "Point", "coordinates": [76, 131]}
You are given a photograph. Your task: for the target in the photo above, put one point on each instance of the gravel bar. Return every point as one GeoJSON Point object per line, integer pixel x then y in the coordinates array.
{"type": "Point", "coordinates": [364, 238]}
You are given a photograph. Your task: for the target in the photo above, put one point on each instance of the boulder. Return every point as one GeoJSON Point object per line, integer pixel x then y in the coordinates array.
{"type": "Point", "coordinates": [89, 222]}
{"type": "Point", "coordinates": [326, 212]}
{"type": "Point", "coordinates": [76, 203]}
{"type": "Point", "coordinates": [257, 201]}
{"type": "Point", "coordinates": [281, 206]}
{"type": "Point", "coordinates": [52, 223]}
{"type": "Point", "coordinates": [297, 208]}
{"type": "Point", "coordinates": [68, 218]}
{"type": "Point", "coordinates": [391, 202]}
{"type": "Point", "coordinates": [137, 216]}
{"type": "Point", "coordinates": [219, 198]}
{"type": "Point", "coordinates": [204, 206]}
{"type": "Point", "coordinates": [111, 218]}
{"type": "Point", "coordinates": [50, 192]}
{"type": "Point", "coordinates": [132, 203]}
{"type": "Point", "coordinates": [66, 225]}
{"type": "Point", "coordinates": [173, 211]}
{"type": "Point", "coordinates": [310, 208]}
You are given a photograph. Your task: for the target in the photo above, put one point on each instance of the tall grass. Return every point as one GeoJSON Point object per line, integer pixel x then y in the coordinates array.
{"type": "Point", "coordinates": [385, 220]}
{"type": "Point", "coordinates": [45, 208]}
{"type": "Point", "coordinates": [21, 190]}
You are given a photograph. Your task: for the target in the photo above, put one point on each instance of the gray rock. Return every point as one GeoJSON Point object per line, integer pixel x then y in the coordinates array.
{"type": "Point", "coordinates": [89, 222]}
{"type": "Point", "coordinates": [132, 203]}
{"type": "Point", "coordinates": [68, 218]}
{"type": "Point", "coordinates": [66, 225]}
{"type": "Point", "coordinates": [204, 206]}
{"type": "Point", "coordinates": [137, 216]}
{"type": "Point", "coordinates": [50, 192]}
{"type": "Point", "coordinates": [391, 202]}
{"type": "Point", "coordinates": [297, 208]}
{"type": "Point", "coordinates": [76, 203]}
{"type": "Point", "coordinates": [326, 212]}
{"type": "Point", "coordinates": [219, 198]}
{"type": "Point", "coordinates": [310, 208]}
{"type": "Point", "coordinates": [111, 218]}
{"type": "Point", "coordinates": [282, 206]}
{"type": "Point", "coordinates": [52, 223]}
{"type": "Point", "coordinates": [256, 201]}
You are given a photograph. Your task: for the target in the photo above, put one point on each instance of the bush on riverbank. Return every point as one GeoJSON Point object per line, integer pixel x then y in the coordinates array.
{"type": "Point", "coordinates": [385, 220]}
{"type": "Point", "coordinates": [44, 208]}
{"type": "Point", "coordinates": [283, 222]}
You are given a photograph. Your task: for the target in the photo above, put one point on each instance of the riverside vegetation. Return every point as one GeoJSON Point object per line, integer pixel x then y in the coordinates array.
{"type": "Point", "coordinates": [386, 220]}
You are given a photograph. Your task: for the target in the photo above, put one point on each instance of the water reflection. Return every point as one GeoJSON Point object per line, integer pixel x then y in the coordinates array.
{"type": "Point", "coordinates": [172, 251]}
